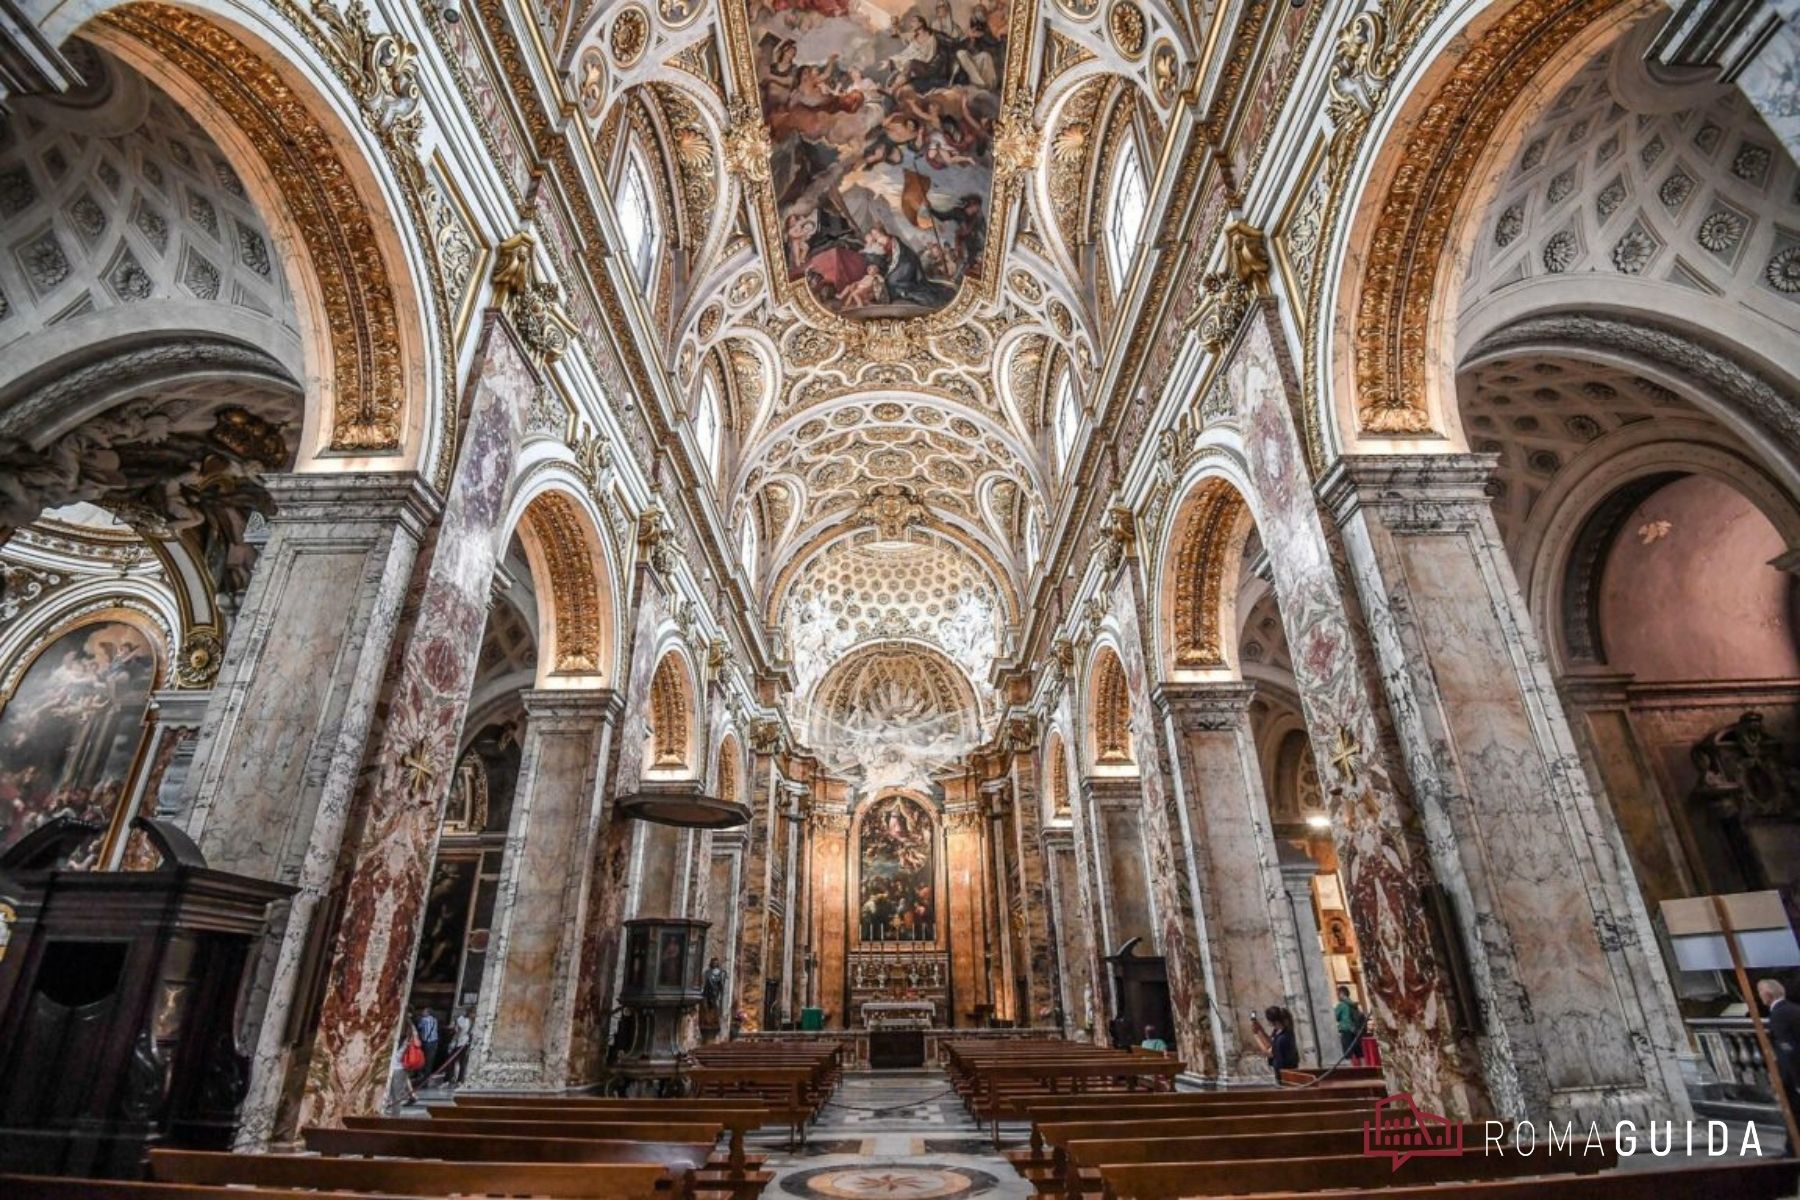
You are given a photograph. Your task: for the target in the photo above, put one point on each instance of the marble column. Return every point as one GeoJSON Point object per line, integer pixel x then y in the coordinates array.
{"type": "Point", "coordinates": [1038, 1003]}
{"type": "Point", "coordinates": [524, 1022]}
{"type": "Point", "coordinates": [1094, 1004]}
{"type": "Point", "coordinates": [1580, 1018]}
{"type": "Point", "coordinates": [1315, 1009]}
{"type": "Point", "coordinates": [960, 911]}
{"type": "Point", "coordinates": [268, 790]}
{"type": "Point", "coordinates": [400, 792]}
{"type": "Point", "coordinates": [1250, 958]}
{"type": "Point", "coordinates": [1074, 979]}
{"type": "Point", "coordinates": [1003, 909]}
{"type": "Point", "coordinates": [1380, 842]}
{"type": "Point", "coordinates": [749, 971]}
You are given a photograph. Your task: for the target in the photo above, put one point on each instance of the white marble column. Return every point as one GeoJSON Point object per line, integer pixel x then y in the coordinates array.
{"type": "Point", "coordinates": [524, 1021]}
{"type": "Point", "coordinates": [1315, 1012]}
{"type": "Point", "coordinates": [268, 790]}
{"type": "Point", "coordinates": [1249, 959]}
{"type": "Point", "coordinates": [1579, 1019]}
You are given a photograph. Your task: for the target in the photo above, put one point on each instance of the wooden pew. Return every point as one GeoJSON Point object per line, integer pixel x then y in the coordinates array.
{"type": "Point", "coordinates": [1174, 1180]}
{"type": "Point", "coordinates": [793, 1094]}
{"type": "Point", "coordinates": [537, 1122]}
{"type": "Point", "coordinates": [1180, 1105]}
{"type": "Point", "coordinates": [1769, 1180]}
{"type": "Point", "coordinates": [46, 1187]}
{"type": "Point", "coordinates": [484, 1147]}
{"type": "Point", "coordinates": [1058, 1134]}
{"type": "Point", "coordinates": [739, 1117]}
{"type": "Point", "coordinates": [1305, 1075]}
{"type": "Point", "coordinates": [684, 1130]}
{"type": "Point", "coordinates": [1001, 1088]}
{"type": "Point", "coordinates": [607, 1181]}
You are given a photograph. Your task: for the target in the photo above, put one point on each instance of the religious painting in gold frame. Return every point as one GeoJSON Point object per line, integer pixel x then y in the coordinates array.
{"type": "Point", "coordinates": [896, 884]}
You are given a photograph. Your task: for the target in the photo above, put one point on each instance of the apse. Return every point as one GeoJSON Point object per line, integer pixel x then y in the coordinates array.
{"type": "Point", "coordinates": [881, 120]}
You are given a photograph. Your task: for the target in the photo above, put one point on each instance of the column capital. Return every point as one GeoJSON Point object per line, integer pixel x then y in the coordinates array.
{"type": "Point", "coordinates": [1059, 837]}
{"type": "Point", "coordinates": [1220, 705]}
{"type": "Point", "coordinates": [354, 499]}
{"type": "Point", "coordinates": [180, 708]}
{"type": "Point", "coordinates": [570, 708]}
{"type": "Point", "coordinates": [1402, 481]}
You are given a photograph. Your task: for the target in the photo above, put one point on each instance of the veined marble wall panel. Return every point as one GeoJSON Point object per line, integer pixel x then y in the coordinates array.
{"type": "Point", "coordinates": [831, 867]}
{"type": "Point", "coordinates": [964, 848]}
{"type": "Point", "coordinates": [1128, 888]}
{"type": "Point", "coordinates": [1381, 848]}
{"type": "Point", "coordinates": [1518, 840]}
{"type": "Point", "coordinates": [1027, 850]}
{"type": "Point", "coordinates": [1075, 980]}
{"type": "Point", "coordinates": [555, 791]}
{"type": "Point", "coordinates": [255, 813]}
{"type": "Point", "coordinates": [1175, 921]}
{"type": "Point", "coordinates": [403, 792]}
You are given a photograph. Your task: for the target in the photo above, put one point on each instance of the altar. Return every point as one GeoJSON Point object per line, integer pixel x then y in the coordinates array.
{"type": "Point", "coordinates": [899, 1014]}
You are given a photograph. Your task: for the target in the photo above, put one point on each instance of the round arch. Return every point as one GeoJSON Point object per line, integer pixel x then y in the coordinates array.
{"type": "Point", "coordinates": [672, 749]}
{"type": "Point", "coordinates": [1380, 361]}
{"type": "Point", "coordinates": [373, 324]}
{"type": "Point", "coordinates": [1107, 715]}
{"type": "Point", "coordinates": [576, 583]}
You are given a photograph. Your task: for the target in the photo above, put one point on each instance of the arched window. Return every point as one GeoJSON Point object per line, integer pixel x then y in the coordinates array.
{"type": "Point", "coordinates": [637, 218]}
{"type": "Point", "coordinates": [1126, 206]}
{"type": "Point", "coordinates": [706, 425]}
{"type": "Point", "coordinates": [1067, 420]}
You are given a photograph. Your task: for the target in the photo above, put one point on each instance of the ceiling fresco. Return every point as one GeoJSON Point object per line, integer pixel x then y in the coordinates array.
{"type": "Point", "coordinates": [881, 118]}
{"type": "Point", "coordinates": [900, 253]}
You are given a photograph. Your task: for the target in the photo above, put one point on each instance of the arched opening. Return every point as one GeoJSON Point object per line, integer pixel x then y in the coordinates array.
{"type": "Point", "coordinates": [1109, 714]}
{"type": "Point", "coordinates": [669, 752]}
{"type": "Point", "coordinates": [1249, 771]}
{"type": "Point", "coordinates": [568, 563]}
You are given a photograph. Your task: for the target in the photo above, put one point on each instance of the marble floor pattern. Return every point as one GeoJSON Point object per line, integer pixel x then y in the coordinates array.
{"type": "Point", "coordinates": [893, 1135]}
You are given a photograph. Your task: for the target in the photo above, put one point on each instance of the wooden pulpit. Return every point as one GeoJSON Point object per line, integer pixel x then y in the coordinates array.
{"type": "Point", "coordinates": [119, 993]}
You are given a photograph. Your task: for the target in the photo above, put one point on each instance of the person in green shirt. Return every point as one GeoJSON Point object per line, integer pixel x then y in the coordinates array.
{"type": "Point", "coordinates": [1352, 1022]}
{"type": "Point", "coordinates": [1151, 1041]}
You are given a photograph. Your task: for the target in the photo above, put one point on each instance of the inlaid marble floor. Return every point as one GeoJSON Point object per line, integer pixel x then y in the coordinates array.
{"type": "Point", "coordinates": [893, 1135]}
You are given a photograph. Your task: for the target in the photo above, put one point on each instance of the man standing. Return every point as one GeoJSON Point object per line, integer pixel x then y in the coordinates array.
{"type": "Point", "coordinates": [1350, 1022]}
{"type": "Point", "coordinates": [1784, 1034]}
{"type": "Point", "coordinates": [428, 1039]}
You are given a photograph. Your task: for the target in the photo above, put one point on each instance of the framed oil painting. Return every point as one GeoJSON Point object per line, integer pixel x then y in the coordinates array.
{"type": "Point", "coordinates": [70, 730]}
{"type": "Point", "coordinates": [896, 891]}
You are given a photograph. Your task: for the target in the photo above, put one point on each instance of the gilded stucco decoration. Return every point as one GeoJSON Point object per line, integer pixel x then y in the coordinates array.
{"type": "Point", "coordinates": [670, 715]}
{"type": "Point", "coordinates": [1111, 711]}
{"type": "Point", "coordinates": [629, 36]}
{"type": "Point", "coordinates": [559, 534]}
{"type": "Point", "coordinates": [1209, 536]}
{"type": "Point", "coordinates": [1407, 248]}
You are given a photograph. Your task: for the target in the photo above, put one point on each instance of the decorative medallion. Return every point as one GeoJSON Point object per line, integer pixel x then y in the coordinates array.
{"type": "Point", "coordinates": [1125, 22]}
{"type": "Point", "coordinates": [590, 82]}
{"type": "Point", "coordinates": [630, 37]}
{"type": "Point", "coordinates": [678, 14]}
{"type": "Point", "coordinates": [1080, 8]}
{"type": "Point", "coordinates": [1165, 72]}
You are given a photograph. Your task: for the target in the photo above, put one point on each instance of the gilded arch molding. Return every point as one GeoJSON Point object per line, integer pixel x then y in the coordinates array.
{"type": "Point", "coordinates": [561, 538]}
{"type": "Point", "coordinates": [1207, 543]}
{"type": "Point", "coordinates": [1110, 715]}
{"type": "Point", "coordinates": [328, 210]}
{"type": "Point", "coordinates": [1407, 248]}
{"type": "Point", "coordinates": [670, 715]}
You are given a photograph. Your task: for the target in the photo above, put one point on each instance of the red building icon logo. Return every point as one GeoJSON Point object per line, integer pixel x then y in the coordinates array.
{"type": "Point", "coordinates": [1400, 1129]}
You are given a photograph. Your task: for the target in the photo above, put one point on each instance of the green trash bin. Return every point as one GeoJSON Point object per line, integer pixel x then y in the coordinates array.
{"type": "Point", "coordinates": [812, 1018]}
